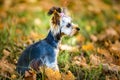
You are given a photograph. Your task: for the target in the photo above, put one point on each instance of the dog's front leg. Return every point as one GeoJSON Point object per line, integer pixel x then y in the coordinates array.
{"type": "Point", "coordinates": [35, 64]}
{"type": "Point", "coordinates": [54, 66]}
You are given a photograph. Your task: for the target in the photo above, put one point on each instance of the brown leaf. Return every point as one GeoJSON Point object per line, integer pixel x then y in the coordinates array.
{"type": "Point", "coordinates": [111, 68]}
{"type": "Point", "coordinates": [30, 75]}
{"type": "Point", "coordinates": [94, 59]}
{"type": "Point", "coordinates": [6, 67]}
{"type": "Point", "coordinates": [35, 36]}
{"type": "Point", "coordinates": [115, 50]}
{"type": "Point", "coordinates": [80, 61]}
{"type": "Point", "coordinates": [6, 54]}
{"type": "Point", "coordinates": [80, 38]}
{"type": "Point", "coordinates": [106, 54]}
{"type": "Point", "coordinates": [111, 32]}
{"type": "Point", "coordinates": [111, 77]}
{"type": "Point", "coordinates": [115, 47]}
{"type": "Point", "coordinates": [93, 38]}
{"type": "Point", "coordinates": [108, 34]}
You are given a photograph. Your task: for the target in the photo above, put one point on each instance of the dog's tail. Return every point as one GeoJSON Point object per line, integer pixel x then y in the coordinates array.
{"type": "Point", "coordinates": [53, 10]}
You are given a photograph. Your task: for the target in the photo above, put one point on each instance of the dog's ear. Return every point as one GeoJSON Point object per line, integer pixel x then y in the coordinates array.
{"type": "Point", "coordinates": [56, 16]}
{"type": "Point", "coordinates": [54, 10]}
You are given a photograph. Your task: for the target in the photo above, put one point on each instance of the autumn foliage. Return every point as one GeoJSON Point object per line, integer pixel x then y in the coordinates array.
{"type": "Point", "coordinates": [92, 54]}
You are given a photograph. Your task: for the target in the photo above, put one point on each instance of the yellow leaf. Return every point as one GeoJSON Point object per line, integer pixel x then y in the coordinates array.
{"type": "Point", "coordinates": [52, 75]}
{"type": "Point", "coordinates": [13, 76]}
{"type": "Point", "coordinates": [88, 28]}
{"type": "Point", "coordinates": [68, 76]}
{"type": "Point", "coordinates": [1, 26]}
{"type": "Point", "coordinates": [88, 47]}
{"type": "Point", "coordinates": [118, 16]}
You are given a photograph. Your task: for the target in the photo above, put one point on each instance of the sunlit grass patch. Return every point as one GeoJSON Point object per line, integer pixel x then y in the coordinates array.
{"type": "Point", "coordinates": [87, 73]}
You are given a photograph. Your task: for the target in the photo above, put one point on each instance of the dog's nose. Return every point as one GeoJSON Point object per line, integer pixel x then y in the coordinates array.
{"type": "Point", "coordinates": [77, 29]}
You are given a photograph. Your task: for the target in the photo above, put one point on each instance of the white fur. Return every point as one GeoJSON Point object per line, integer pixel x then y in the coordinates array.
{"type": "Point", "coordinates": [53, 65]}
{"type": "Point", "coordinates": [63, 24]}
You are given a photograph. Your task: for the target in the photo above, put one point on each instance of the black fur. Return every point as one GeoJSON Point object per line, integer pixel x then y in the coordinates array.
{"type": "Point", "coordinates": [51, 11]}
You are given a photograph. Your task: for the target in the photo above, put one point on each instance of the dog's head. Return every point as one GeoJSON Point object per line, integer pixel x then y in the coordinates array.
{"type": "Point", "coordinates": [62, 23]}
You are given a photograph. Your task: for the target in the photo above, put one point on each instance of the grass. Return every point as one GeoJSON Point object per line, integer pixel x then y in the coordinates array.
{"type": "Point", "coordinates": [86, 74]}
{"type": "Point", "coordinates": [37, 21]}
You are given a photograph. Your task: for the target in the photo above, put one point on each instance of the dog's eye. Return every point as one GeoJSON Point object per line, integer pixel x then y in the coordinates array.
{"type": "Point", "coordinates": [68, 25]}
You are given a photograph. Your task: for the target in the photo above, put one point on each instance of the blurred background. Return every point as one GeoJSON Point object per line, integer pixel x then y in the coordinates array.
{"type": "Point", "coordinates": [93, 54]}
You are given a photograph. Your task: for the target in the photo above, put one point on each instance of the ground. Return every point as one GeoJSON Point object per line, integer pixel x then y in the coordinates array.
{"type": "Point", "coordinates": [92, 54]}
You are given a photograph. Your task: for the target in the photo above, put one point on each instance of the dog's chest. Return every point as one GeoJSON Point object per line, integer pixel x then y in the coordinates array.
{"type": "Point", "coordinates": [56, 50]}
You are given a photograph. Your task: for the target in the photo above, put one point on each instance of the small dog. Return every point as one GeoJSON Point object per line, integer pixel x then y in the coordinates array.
{"type": "Point", "coordinates": [45, 52]}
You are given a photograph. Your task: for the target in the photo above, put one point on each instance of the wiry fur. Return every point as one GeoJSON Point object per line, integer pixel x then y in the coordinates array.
{"type": "Point", "coordinates": [45, 52]}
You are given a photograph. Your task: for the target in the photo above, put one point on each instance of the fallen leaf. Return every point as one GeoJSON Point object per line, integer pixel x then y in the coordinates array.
{"type": "Point", "coordinates": [52, 75]}
{"type": "Point", "coordinates": [109, 77]}
{"type": "Point", "coordinates": [115, 47]}
{"type": "Point", "coordinates": [6, 54]}
{"type": "Point", "coordinates": [1, 26]}
{"type": "Point", "coordinates": [115, 50]}
{"type": "Point", "coordinates": [106, 54]}
{"type": "Point", "coordinates": [35, 36]}
{"type": "Point", "coordinates": [80, 61]}
{"type": "Point", "coordinates": [88, 47]}
{"type": "Point", "coordinates": [118, 16]}
{"type": "Point", "coordinates": [93, 38]}
{"type": "Point", "coordinates": [108, 34]}
{"type": "Point", "coordinates": [68, 76]}
{"type": "Point", "coordinates": [6, 67]}
{"type": "Point", "coordinates": [30, 75]}
{"type": "Point", "coordinates": [111, 32]}
{"type": "Point", "coordinates": [13, 76]}
{"type": "Point", "coordinates": [95, 60]}
{"type": "Point", "coordinates": [114, 69]}
{"type": "Point", "coordinates": [80, 38]}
